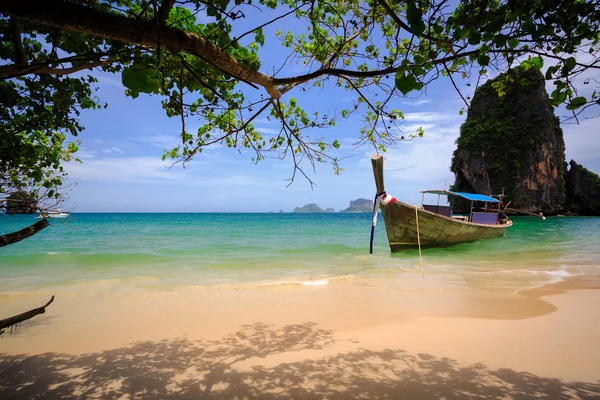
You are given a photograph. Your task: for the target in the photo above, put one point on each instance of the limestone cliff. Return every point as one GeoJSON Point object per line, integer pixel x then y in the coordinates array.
{"type": "Point", "coordinates": [360, 205]}
{"type": "Point", "coordinates": [512, 142]}
{"type": "Point", "coordinates": [583, 190]}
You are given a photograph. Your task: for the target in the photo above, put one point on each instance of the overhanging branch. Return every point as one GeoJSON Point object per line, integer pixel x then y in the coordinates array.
{"type": "Point", "coordinates": [79, 18]}
{"type": "Point", "coordinates": [24, 233]}
{"type": "Point", "coordinates": [13, 70]}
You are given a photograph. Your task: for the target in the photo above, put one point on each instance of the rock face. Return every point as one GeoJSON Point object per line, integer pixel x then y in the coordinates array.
{"type": "Point", "coordinates": [359, 206]}
{"type": "Point", "coordinates": [309, 208]}
{"type": "Point", "coordinates": [21, 203]}
{"type": "Point", "coordinates": [583, 190]}
{"type": "Point", "coordinates": [512, 142]}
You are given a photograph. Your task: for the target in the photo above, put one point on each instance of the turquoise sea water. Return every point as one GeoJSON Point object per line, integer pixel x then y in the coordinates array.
{"type": "Point", "coordinates": [165, 252]}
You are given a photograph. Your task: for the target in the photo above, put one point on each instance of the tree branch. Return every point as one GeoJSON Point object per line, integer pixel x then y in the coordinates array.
{"type": "Point", "coordinates": [24, 233]}
{"type": "Point", "coordinates": [395, 17]}
{"type": "Point", "coordinates": [17, 319]}
{"type": "Point", "coordinates": [20, 55]}
{"type": "Point", "coordinates": [13, 70]}
{"type": "Point", "coordinates": [163, 11]}
{"type": "Point", "coordinates": [79, 18]}
{"type": "Point", "coordinates": [334, 71]}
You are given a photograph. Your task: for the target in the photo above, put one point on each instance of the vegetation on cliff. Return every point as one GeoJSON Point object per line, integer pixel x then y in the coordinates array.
{"type": "Point", "coordinates": [583, 190]}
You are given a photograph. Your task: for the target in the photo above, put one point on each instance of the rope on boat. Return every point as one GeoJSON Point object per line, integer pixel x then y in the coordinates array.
{"type": "Point", "coordinates": [419, 242]}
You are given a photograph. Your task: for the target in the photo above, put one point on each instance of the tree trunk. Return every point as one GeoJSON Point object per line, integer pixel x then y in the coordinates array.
{"type": "Point", "coordinates": [8, 322]}
{"type": "Point", "coordinates": [31, 230]}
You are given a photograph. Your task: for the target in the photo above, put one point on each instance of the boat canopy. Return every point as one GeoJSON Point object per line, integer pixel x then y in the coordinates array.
{"type": "Point", "coordinates": [468, 196]}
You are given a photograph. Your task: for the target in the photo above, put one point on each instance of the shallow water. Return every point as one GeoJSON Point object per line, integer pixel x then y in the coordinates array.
{"type": "Point", "coordinates": [140, 255]}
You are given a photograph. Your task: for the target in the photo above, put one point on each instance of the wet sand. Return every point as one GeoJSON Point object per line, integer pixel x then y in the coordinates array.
{"type": "Point", "coordinates": [306, 344]}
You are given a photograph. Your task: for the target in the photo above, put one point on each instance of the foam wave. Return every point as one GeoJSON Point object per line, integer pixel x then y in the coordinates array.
{"type": "Point", "coordinates": [284, 283]}
{"type": "Point", "coordinates": [318, 282]}
{"type": "Point", "coordinates": [561, 273]}
{"type": "Point", "coordinates": [52, 253]}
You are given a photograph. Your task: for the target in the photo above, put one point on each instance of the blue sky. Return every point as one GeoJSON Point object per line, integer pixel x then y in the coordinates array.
{"type": "Point", "coordinates": [122, 145]}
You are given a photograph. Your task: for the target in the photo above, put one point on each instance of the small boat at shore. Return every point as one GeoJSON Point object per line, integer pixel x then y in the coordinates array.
{"type": "Point", "coordinates": [52, 214]}
{"type": "Point", "coordinates": [409, 226]}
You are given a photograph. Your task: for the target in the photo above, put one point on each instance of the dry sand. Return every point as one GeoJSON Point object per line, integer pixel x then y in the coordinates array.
{"type": "Point", "coordinates": [236, 345]}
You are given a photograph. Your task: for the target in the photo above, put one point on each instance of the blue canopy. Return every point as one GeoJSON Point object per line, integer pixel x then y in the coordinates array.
{"type": "Point", "coordinates": [468, 196]}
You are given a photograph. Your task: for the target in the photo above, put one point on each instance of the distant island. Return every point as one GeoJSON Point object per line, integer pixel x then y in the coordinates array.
{"type": "Point", "coordinates": [309, 208]}
{"type": "Point", "coordinates": [359, 206]}
{"type": "Point", "coordinates": [356, 206]}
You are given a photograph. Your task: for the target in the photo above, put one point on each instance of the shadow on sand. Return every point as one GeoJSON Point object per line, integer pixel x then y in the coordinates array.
{"type": "Point", "coordinates": [207, 369]}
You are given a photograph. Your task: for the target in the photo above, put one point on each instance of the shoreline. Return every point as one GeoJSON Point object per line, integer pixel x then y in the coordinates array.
{"type": "Point", "coordinates": [581, 281]}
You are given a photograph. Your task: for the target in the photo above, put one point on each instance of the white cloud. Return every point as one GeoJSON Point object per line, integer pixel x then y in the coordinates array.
{"type": "Point", "coordinates": [415, 102]}
{"type": "Point", "coordinates": [425, 116]}
{"type": "Point", "coordinates": [85, 154]}
{"type": "Point", "coordinates": [151, 170]}
{"type": "Point", "coordinates": [268, 130]}
{"type": "Point", "coordinates": [162, 141]}
{"type": "Point", "coordinates": [412, 128]}
{"type": "Point", "coordinates": [112, 169]}
{"type": "Point", "coordinates": [425, 159]}
{"type": "Point", "coordinates": [112, 150]}
{"type": "Point", "coordinates": [421, 160]}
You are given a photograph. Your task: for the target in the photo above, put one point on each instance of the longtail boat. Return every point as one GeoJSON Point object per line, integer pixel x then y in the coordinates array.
{"type": "Point", "coordinates": [409, 226]}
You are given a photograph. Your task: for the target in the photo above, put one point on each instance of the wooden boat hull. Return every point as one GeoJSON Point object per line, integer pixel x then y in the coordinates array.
{"type": "Point", "coordinates": [434, 230]}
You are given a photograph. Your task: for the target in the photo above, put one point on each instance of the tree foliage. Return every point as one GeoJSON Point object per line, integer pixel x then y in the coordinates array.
{"type": "Point", "coordinates": [189, 53]}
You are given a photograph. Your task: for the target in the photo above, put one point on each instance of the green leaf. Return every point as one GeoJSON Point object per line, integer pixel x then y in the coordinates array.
{"type": "Point", "coordinates": [512, 43]}
{"type": "Point", "coordinates": [570, 63]}
{"type": "Point", "coordinates": [483, 60]}
{"type": "Point", "coordinates": [407, 82]}
{"type": "Point", "coordinates": [537, 62]}
{"type": "Point", "coordinates": [576, 103]}
{"type": "Point", "coordinates": [259, 37]}
{"type": "Point", "coordinates": [474, 38]}
{"type": "Point", "coordinates": [551, 70]}
{"type": "Point", "coordinates": [414, 18]}
{"type": "Point", "coordinates": [141, 80]}
{"type": "Point", "coordinates": [417, 70]}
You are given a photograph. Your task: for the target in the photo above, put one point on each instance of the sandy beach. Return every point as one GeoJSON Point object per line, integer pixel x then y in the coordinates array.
{"type": "Point", "coordinates": [300, 345]}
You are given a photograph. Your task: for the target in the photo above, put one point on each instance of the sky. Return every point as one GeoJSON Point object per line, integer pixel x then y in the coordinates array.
{"type": "Point", "coordinates": [122, 145]}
